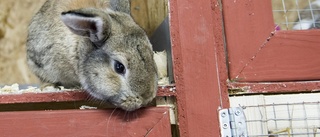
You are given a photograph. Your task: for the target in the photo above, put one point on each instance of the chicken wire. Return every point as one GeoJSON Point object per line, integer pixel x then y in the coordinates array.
{"type": "Point", "coordinates": [296, 14]}
{"type": "Point", "coordinates": [283, 120]}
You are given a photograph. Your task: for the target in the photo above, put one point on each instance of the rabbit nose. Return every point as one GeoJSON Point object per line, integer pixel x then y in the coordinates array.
{"type": "Point", "coordinates": [131, 103]}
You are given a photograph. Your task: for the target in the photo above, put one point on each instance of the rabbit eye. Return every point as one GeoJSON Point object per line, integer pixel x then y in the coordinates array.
{"type": "Point", "coordinates": [119, 68]}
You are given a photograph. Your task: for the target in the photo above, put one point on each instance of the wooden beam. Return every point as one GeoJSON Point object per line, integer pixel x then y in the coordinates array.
{"type": "Point", "coordinates": [149, 14]}
{"type": "Point", "coordinates": [63, 96]}
{"type": "Point", "coordinates": [273, 87]}
{"type": "Point", "coordinates": [150, 122]}
{"type": "Point", "coordinates": [199, 65]}
{"type": "Point", "coordinates": [259, 53]}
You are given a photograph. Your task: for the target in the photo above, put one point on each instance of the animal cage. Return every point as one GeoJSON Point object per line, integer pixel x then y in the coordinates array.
{"type": "Point", "coordinates": [225, 53]}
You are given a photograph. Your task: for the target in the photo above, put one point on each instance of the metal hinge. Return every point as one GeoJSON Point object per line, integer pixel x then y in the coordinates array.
{"type": "Point", "coordinates": [233, 122]}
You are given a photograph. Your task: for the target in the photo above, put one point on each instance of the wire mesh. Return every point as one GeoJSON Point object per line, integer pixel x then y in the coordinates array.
{"type": "Point", "coordinates": [283, 119]}
{"type": "Point", "coordinates": [296, 14]}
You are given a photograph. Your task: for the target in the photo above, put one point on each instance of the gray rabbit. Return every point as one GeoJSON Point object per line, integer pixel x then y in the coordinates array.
{"type": "Point", "coordinates": [96, 45]}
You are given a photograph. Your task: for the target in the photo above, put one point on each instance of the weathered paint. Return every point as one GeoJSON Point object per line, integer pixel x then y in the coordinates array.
{"type": "Point", "coordinates": [151, 122]}
{"type": "Point", "coordinates": [169, 90]}
{"type": "Point", "coordinates": [43, 97]}
{"type": "Point", "coordinates": [274, 87]}
{"type": "Point", "coordinates": [199, 65]}
{"type": "Point", "coordinates": [75, 95]}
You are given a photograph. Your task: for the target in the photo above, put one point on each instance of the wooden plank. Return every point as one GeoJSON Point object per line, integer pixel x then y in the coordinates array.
{"type": "Point", "coordinates": [199, 65]}
{"type": "Point", "coordinates": [274, 87]}
{"type": "Point", "coordinates": [43, 97]}
{"type": "Point", "coordinates": [289, 55]}
{"type": "Point", "coordinates": [149, 14]}
{"type": "Point", "coordinates": [252, 114]}
{"type": "Point", "coordinates": [80, 123]}
{"type": "Point", "coordinates": [162, 128]}
{"type": "Point", "coordinates": [75, 95]}
{"type": "Point", "coordinates": [247, 26]}
{"type": "Point", "coordinates": [256, 52]}
{"type": "Point", "coordinates": [169, 90]}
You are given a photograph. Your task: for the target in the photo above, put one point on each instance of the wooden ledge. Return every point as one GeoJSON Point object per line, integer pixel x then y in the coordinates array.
{"type": "Point", "coordinates": [273, 87]}
{"type": "Point", "coordinates": [151, 122]}
{"type": "Point", "coordinates": [75, 95]}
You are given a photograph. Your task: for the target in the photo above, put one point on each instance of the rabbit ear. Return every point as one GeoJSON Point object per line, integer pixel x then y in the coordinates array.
{"type": "Point", "coordinates": [89, 23]}
{"type": "Point", "coordinates": [121, 5]}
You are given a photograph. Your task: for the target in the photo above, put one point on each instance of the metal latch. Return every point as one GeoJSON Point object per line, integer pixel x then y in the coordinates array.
{"type": "Point", "coordinates": [233, 122]}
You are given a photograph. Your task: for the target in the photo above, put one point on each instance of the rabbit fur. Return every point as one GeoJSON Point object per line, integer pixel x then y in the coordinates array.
{"type": "Point", "coordinates": [96, 45]}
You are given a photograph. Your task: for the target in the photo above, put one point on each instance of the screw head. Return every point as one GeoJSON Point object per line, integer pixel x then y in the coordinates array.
{"type": "Point", "coordinates": [238, 112]}
{"type": "Point", "coordinates": [223, 114]}
{"type": "Point", "coordinates": [225, 125]}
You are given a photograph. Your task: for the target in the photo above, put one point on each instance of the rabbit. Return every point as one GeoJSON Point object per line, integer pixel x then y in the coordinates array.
{"type": "Point", "coordinates": [95, 45]}
{"type": "Point", "coordinates": [309, 18]}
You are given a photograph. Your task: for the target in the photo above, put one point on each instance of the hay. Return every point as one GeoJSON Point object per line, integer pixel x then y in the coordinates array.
{"type": "Point", "coordinates": [14, 19]}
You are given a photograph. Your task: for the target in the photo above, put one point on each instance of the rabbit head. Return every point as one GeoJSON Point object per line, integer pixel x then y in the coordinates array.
{"type": "Point", "coordinates": [116, 60]}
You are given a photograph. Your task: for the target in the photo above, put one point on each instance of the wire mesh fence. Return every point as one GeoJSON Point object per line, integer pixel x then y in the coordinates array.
{"type": "Point", "coordinates": [281, 116]}
{"type": "Point", "coordinates": [285, 120]}
{"type": "Point", "coordinates": [296, 14]}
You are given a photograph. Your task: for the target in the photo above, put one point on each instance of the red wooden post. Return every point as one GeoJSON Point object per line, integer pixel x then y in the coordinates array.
{"type": "Point", "coordinates": [199, 65]}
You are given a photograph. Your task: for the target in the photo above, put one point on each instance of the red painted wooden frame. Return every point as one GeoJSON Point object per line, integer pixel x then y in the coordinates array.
{"type": "Point", "coordinates": [262, 60]}
{"type": "Point", "coordinates": [258, 53]}
{"type": "Point", "coordinates": [65, 96]}
{"type": "Point", "coordinates": [199, 65]}
{"type": "Point", "coordinates": [274, 87]}
{"type": "Point", "coordinates": [149, 122]}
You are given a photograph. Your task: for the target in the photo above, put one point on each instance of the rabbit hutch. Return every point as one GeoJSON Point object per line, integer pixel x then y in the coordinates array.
{"type": "Point", "coordinates": [232, 68]}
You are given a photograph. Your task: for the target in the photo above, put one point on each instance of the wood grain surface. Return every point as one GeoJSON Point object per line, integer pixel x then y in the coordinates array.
{"type": "Point", "coordinates": [64, 96]}
{"type": "Point", "coordinates": [151, 122]}
{"type": "Point", "coordinates": [256, 52]}
{"type": "Point", "coordinates": [199, 65]}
